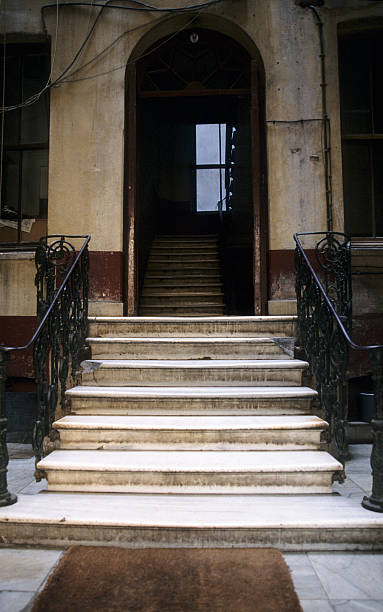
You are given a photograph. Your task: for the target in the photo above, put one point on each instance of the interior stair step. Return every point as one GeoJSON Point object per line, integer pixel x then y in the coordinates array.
{"type": "Point", "coordinates": [187, 237]}
{"type": "Point", "coordinates": [185, 348]}
{"type": "Point", "coordinates": [197, 310]}
{"type": "Point", "coordinates": [188, 299]}
{"type": "Point", "coordinates": [190, 433]}
{"type": "Point", "coordinates": [181, 275]}
{"type": "Point", "coordinates": [198, 372]}
{"type": "Point", "coordinates": [185, 259]}
{"type": "Point", "coordinates": [176, 264]}
{"type": "Point", "coordinates": [223, 401]}
{"type": "Point", "coordinates": [182, 250]}
{"type": "Point", "coordinates": [180, 290]}
{"type": "Point", "coordinates": [213, 327]}
{"type": "Point", "coordinates": [170, 283]}
{"type": "Point", "coordinates": [190, 471]}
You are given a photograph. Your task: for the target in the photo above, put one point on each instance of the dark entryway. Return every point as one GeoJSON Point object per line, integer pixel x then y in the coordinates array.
{"type": "Point", "coordinates": [195, 159]}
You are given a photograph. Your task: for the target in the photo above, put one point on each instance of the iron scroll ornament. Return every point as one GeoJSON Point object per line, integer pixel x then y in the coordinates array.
{"type": "Point", "coordinates": [62, 287]}
{"type": "Point", "coordinates": [323, 344]}
{"type": "Point", "coordinates": [62, 283]}
{"type": "Point", "coordinates": [324, 307]}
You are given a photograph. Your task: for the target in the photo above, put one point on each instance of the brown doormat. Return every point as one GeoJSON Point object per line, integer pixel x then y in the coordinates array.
{"type": "Point", "coordinates": [160, 579]}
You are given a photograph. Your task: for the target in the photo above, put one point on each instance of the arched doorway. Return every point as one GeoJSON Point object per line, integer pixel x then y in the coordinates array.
{"type": "Point", "coordinates": [196, 158]}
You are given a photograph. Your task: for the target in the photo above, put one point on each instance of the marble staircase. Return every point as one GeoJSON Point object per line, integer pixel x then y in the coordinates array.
{"type": "Point", "coordinates": [191, 431]}
{"type": "Point", "coordinates": [193, 444]}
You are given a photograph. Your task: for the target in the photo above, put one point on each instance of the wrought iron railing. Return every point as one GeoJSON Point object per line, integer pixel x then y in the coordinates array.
{"type": "Point", "coordinates": [58, 343]}
{"type": "Point", "coordinates": [324, 304]}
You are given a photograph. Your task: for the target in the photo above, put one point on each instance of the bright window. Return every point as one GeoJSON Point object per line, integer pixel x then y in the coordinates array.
{"type": "Point", "coordinates": [211, 167]}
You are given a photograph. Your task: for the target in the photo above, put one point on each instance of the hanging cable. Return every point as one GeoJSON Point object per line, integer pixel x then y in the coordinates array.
{"type": "Point", "coordinates": [155, 48]}
{"type": "Point", "coordinates": [140, 6]}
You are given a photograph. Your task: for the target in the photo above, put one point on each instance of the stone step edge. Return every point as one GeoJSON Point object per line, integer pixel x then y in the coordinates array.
{"type": "Point", "coordinates": [218, 319]}
{"type": "Point", "coordinates": [218, 392]}
{"type": "Point", "coordinates": [174, 340]}
{"type": "Point", "coordinates": [233, 462]}
{"type": "Point", "coordinates": [90, 365]}
{"type": "Point", "coordinates": [190, 424]}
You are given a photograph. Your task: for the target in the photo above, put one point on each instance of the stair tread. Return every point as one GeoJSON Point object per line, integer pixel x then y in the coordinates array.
{"type": "Point", "coordinates": [193, 392]}
{"type": "Point", "coordinates": [184, 293]}
{"type": "Point", "coordinates": [316, 512]}
{"type": "Point", "coordinates": [194, 363]}
{"type": "Point", "coordinates": [220, 319]}
{"type": "Point", "coordinates": [190, 423]}
{"type": "Point", "coordinates": [188, 340]}
{"type": "Point", "coordinates": [190, 461]}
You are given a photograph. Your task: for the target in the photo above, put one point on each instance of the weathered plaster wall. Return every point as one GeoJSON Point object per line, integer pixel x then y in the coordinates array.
{"type": "Point", "coordinates": [86, 180]}
{"type": "Point", "coordinates": [18, 292]}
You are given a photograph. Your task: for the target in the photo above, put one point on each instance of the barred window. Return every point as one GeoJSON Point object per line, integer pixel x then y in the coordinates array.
{"type": "Point", "coordinates": [25, 138]}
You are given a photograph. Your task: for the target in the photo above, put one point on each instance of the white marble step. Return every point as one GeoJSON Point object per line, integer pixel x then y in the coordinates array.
{"type": "Point", "coordinates": [194, 372]}
{"type": "Point", "coordinates": [190, 433]}
{"type": "Point", "coordinates": [185, 348]}
{"type": "Point", "coordinates": [190, 400]}
{"type": "Point", "coordinates": [288, 522]}
{"type": "Point", "coordinates": [190, 471]}
{"type": "Point", "coordinates": [214, 327]}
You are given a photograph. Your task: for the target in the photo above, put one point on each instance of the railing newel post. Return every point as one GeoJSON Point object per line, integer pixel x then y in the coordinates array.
{"type": "Point", "coordinates": [6, 498]}
{"type": "Point", "coordinates": [375, 500]}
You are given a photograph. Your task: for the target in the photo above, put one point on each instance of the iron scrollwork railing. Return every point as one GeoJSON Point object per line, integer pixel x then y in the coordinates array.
{"type": "Point", "coordinates": [324, 304]}
{"type": "Point", "coordinates": [62, 284]}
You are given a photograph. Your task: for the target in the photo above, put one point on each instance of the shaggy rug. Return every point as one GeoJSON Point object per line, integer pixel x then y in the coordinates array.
{"type": "Point", "coordinates": [91, 579]}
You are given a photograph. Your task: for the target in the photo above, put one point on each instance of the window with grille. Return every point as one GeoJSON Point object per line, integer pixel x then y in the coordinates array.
{"type": "Point", "coordinates": [25, 137]}
{"type": "Point", "coordinates": [361, 91]}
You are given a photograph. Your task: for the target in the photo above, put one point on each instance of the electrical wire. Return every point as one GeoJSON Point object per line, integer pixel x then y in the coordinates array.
{"type": "Point", "coordinates": [163, 42]}
{"type": "Point", "coordinates": [140, 6]}
{"type": "Point", "coordinates": [35, 97]}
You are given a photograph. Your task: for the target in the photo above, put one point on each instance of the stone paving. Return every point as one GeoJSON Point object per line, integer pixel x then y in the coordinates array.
{"type": "Point", "coordinates": [340, 581]}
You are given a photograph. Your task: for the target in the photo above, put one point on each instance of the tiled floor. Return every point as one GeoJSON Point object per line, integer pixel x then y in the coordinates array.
{"type": "Point", "coordinates": [349, 582]}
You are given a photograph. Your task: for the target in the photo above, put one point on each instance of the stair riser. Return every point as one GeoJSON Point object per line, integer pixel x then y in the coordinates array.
{"type": "Point", "coordinates": [204, 376]}
{"type": "Point", "coordinates": [190, 482]}
{"type": "Point", "coordinates": [213, 329]}
{"type": "Point", "coordinates": [131, 350]}
{"type": "Point", "coordinates": [286, 538]}
{"type": "Point", "coordinates": [189, 407]}
{"type": "Point", "coordinates": [188, 440]}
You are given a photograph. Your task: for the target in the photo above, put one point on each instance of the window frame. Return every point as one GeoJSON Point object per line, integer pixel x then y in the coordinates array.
{"type": "Point", "coordinates": [222, 166]}
{"type": "Point", "coordinates": [366, 38]}
{"type": "Point", "coordinates": [21, 51]}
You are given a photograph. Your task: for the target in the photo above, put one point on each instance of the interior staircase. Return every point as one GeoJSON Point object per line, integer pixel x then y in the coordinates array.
{"type": "Point", "coordinates": [190, 431]}
{"type": "Point", "coordinates": [183, 277]}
